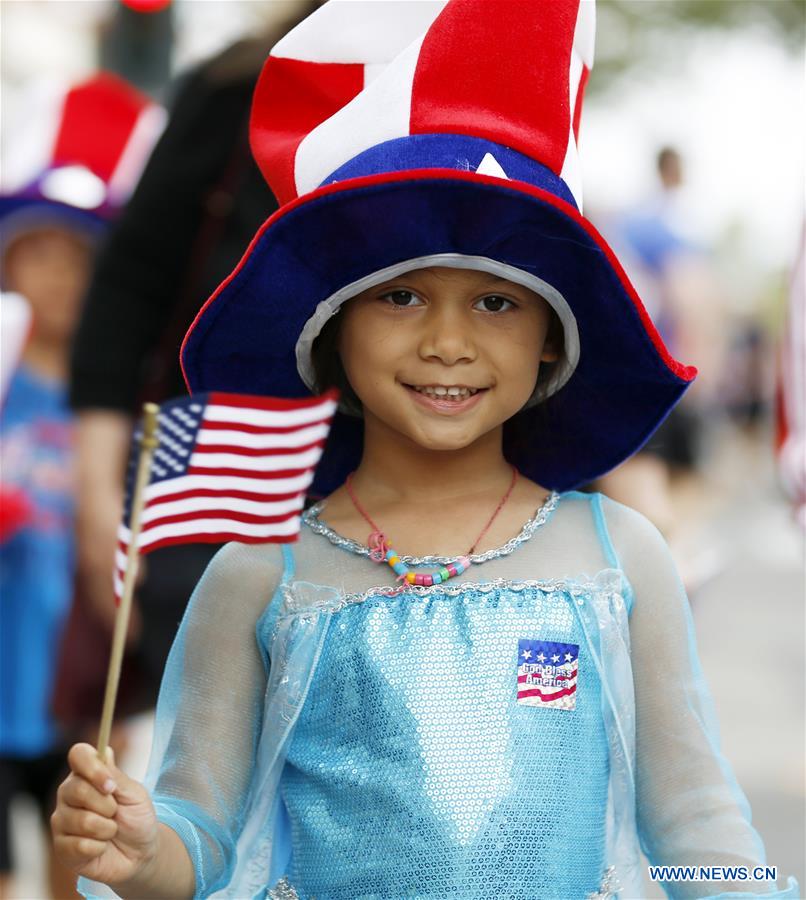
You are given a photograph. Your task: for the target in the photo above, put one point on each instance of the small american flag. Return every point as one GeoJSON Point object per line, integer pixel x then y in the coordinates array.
{"type": "Point", "coordinates": [227, 467]}
{"type": "Point", "coordinates": [547, 673]}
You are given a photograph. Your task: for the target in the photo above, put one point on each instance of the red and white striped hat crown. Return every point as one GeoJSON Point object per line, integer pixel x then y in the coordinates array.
{"type": "Point", "coordinates": [356, 75]}
{"type": "Point", "coordinates": [84, 148]}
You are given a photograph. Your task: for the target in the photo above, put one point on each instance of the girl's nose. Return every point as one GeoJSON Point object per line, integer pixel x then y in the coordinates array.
{"type": "Point", "coordinates": [447, 337]}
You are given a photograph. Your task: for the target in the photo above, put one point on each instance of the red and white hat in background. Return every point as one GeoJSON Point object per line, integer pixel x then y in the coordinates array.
{"type": "Point", "coordinates": [78, 154]}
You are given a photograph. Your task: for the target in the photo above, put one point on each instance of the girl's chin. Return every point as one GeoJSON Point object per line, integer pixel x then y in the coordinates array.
{"type": "Point", "coordinates": [447, 439]}
{"type": "Point", "coordinates": [427, 430]}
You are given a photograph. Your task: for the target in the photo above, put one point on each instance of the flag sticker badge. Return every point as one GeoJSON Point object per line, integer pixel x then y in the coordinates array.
{"type": "Point", "coordinates": [547, 673]}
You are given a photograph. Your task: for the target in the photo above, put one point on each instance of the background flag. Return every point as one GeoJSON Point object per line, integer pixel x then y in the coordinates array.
{"type": "Point", "coordinates": [227, 467]}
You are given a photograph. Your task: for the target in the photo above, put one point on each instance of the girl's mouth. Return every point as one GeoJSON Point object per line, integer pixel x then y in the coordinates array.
{"type": "Point", "coordinates": [445, 398]}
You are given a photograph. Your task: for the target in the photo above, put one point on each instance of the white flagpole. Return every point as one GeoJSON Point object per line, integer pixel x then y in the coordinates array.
{"type": "Point", "coordinates": [148, 443]}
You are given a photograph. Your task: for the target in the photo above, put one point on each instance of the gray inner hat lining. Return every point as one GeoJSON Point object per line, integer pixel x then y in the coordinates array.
{"type": "Point", "coordinates": [329, 307]}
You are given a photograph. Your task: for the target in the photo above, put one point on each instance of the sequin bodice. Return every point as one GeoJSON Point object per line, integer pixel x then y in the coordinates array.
{"type": "Point", "coordinates": [415, 772]}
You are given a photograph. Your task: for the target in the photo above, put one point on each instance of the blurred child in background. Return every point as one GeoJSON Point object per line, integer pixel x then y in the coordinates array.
{"type": "Point", "coordinates": [49, 231]}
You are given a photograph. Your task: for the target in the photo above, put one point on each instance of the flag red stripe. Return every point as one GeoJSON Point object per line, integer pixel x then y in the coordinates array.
{"type": "Point", "coordinates": [258, 496]}
{"type": "Point", "coordinates": [260, 429]}
{"type": "Point", "coordinates": [536, 692]}
{"type": "Point", "coordinates": [245, 401]}
{"type": "Point", "coordinates": [208, 538]}
{"type": "Point", "coordinates": [218, 538]}
{"type": "Point", "coordinates": [247, 473]}
{"type": "Point", "coordinates": [254, 451]}
{"type": "Point", "coordinates": [230, 516]}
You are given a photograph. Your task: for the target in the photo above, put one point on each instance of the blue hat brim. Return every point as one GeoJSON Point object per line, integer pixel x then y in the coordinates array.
{"type": "Point", "coordinates": [624, 385]}
{"type": "Point", "coordinates": [39, 210]}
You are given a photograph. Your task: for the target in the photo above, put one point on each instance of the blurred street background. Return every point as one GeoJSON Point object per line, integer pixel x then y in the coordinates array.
{"type": "Point", "coordinates": [693, 147]}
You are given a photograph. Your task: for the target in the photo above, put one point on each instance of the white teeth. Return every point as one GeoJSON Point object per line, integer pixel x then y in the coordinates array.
{"type": "Point", "coordinates": [454, 393]}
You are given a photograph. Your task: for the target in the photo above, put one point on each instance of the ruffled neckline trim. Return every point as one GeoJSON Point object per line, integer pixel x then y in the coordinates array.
{"type": "Point", "coordinates": [311, 518]}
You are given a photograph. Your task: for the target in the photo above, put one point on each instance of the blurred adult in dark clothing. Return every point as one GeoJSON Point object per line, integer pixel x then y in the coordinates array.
{"type": "Point", "coordinates": [197, 206]}
{"type": "Point", "coordinates": [200, 201]}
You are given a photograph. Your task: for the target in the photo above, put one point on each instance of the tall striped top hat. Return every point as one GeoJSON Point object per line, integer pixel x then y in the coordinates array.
{"type": "Point", "coordinates": [399, 135]}
{"type": "Point", "coordinates": [78, 154]}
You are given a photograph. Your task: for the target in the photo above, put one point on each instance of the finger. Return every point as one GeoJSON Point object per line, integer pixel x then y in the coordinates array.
{"type": "Point", "coordinates": [76, 852]}
{"type": "Point", "coordinates": [83, 823]}
{"type": "Point", "coordinates": [127, 790]}
{"type": "Point", "coordinates": [79, 793]}
{"type": "Point", "coordinates": [83, 761]}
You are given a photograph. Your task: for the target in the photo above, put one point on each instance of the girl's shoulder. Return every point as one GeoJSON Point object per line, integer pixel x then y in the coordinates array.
{"type": "Point", "coordinates": [628, 540]}
{"type": "Point", "coordinates": [240, 581]}
{"type": "Point", "coordinates": [637, 548]}
{"type": "Point", "coordinates": [622, 525]}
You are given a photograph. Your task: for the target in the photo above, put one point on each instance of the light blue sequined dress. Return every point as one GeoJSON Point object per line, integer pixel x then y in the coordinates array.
{"type": "Point", "coordinates": [352, 739]}
{"type": "Point", "coordinates": [414, 769]}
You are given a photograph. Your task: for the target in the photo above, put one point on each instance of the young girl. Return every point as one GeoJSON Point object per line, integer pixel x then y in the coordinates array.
{"type": "Point", "coordinates": [466, 679]}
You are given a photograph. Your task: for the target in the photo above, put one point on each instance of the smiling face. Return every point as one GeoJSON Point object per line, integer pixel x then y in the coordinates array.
{"type": "Point", "coordinates": [444, 356]}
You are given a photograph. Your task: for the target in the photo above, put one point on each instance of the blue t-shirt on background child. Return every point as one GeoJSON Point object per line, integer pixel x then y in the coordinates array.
{"type": "Point", "coordinates": [36, 562]}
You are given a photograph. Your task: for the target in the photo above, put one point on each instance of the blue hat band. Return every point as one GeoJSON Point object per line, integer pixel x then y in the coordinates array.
{"type": "Point", "coordinates": [449, 151]}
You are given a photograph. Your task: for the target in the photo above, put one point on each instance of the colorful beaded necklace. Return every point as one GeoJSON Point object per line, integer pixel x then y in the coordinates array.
{"type": "Point", "coordinates": [380, 550]}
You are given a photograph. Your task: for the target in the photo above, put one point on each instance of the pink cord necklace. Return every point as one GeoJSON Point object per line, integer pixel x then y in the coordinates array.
{"type": "Point", "coordinates": [380, 550]}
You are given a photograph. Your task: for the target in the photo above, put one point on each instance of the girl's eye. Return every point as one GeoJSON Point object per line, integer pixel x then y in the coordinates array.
{"type": "Point", "coordinates": [402, 298]}
{"type": "Point", "coordinates": [493, 303]}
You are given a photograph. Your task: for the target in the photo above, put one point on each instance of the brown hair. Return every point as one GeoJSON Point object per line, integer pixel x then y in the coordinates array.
{"type": "Point", "coordinates": [327, 366]}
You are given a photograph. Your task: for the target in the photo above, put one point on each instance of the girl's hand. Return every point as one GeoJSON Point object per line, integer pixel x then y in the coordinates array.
{"type": "Point", "coordinates": [104, 826]}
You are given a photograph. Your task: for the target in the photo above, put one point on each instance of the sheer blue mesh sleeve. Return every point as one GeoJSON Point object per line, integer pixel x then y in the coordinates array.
{"type": "Point", "coordinates": [209, 714]}
{"type": "Point", "coordinates": [690, 809]}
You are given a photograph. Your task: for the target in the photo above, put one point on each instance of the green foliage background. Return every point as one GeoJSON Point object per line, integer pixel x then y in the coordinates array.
{"type": "Point", "coordinates": [641, 34]}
